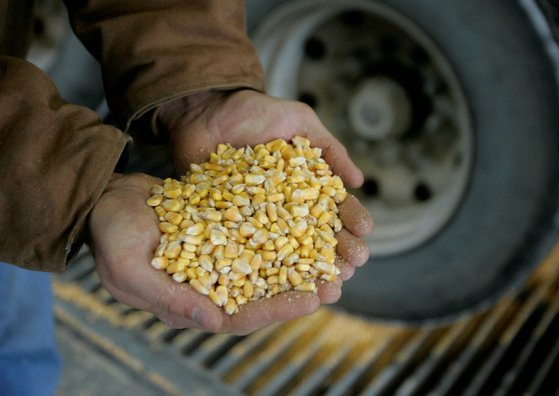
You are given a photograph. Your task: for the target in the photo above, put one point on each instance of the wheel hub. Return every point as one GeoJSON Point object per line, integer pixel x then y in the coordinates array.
{"type": "Point", "coordinates": [379, 109]}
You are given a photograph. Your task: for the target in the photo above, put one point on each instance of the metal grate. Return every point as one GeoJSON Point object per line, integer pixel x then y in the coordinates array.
{"type": "Point", "coordinates": [509, 349]}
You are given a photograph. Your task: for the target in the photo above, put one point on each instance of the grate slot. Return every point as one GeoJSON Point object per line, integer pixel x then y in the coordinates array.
{"type": "Point", "coordinates": [510, 342]}
{"type": "Point", "coordinates": [282, 379]}
{"type": "Point", "coordinates": [183, 338]}
{"type": "Point", "coordinates": [240, 351]}
{"type": "Point", "coordinates": [214, 347]}
{"type": "Point", "coordinates": [314, 382]}
{"type": "Point", "coordinates": [155, 333]}
{"type": "Point", "coordinates": [138, 319]}
{"type": "Point", "coordinates": [464, 364]}
{"type": "Point", "coordinates": [196, 337]}
{"type": "Point", "coordinates": [274, 351]}
{"type": "Point", "coordinates": [533, 353]}
{"type": "Point", "coordinates": [489, 373]}
{"type": "Point", "coordinates": [402, 364]}
{"type": "Point", "coordinates": [440, 354]}
{"type": "Point", "coordinates": [366, 363]}
{"type": "Point", "coordinates": [546, 382]}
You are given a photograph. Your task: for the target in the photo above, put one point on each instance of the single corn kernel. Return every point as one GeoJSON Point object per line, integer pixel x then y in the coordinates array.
{"type": "Point", "coordinates": [197, 285]}
{"type": "Point", "coordinates": [155, 200]}
{"type": "Point", "coordinates": [241, 267]}
{"type": "Point", "coordinates": [195, 230]}
{"type": "Point", "coordinates": [306, 287]}
{"type": "Point", "coordinates": [160, 263]}
{"type": "Point", "coordinates": [179, 276]}
{"type": "Point", "coordinates": [218, 237]}
{"type": "Point", "coordinates": [233, 214]}
{"type": "Point", "coordinates": [231, 306]}
{"type": "Point", "coordinates": [168, 228]}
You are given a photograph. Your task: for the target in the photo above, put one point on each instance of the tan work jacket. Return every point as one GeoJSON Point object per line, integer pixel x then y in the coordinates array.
{"type": "Point", "coordinates": [55, 157]}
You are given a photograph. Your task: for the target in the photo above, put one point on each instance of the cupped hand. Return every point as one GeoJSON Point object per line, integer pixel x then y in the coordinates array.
{"type": "Point", "coordinates": [196, 124]}
{"type": "Point", "coordinates": [124, 234]}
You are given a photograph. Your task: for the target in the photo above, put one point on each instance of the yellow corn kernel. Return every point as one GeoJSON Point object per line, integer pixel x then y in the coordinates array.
{"type": "Point", "coordinates": [268, 255]}
{"type": "Point", "coordinates": [219, 251]}
{"type": "Point", "coordinates": [302, 267]}
{"type": "Point", "coordinates": [231, 250]}
{"type": "Point", "coordinates": [306, 287]}
{"type": "Point", "coordinates": [168, 228]}
{"type": "Point", "coordinates": [284, 252]}
{"type": "Point", "coordinates": [275, 197]}
{"type": "Point", "coordinates": [284, 213]}
{"type": "Point", "coordinates": [241, 266]}
{"type": "Point", "coordinates": [282, 276]}
{"type": "Point", "coordinates": [233, 214]}
{"type": "Point", "coordinates": [223, 204]}
{"type": "Point", "coordinates": [189, 248]}
{"type": "Point", "coordinates": [340, 196]}
{"type": "Point", "coordinates": [179, 276]}
{"type": "Point", "coordinates": [231, 306]}
{"type": "Point", "coordinates": [188, 255]}
{"type": "Point", "coordinates": [160, 263]}
{"type": "Point", "coordinates": [173, 218]}
{"type": "Point", "coordinates": [261, 217]}
{"type": "Point", "coordinates": [254, 179]}
{"type": "Point", "coordinates": [160, 249]}
{"type": "Point", "coordinates": [172, 192]}
{"type": "Point", "coordinates": [197, 285]}
{"type": "Point", "coordinates": [206, 262]}
{"type": "Point", "coordinates": [222, 263]}
{"type": "Point", "coordinates": [324, 267]}
{"type": "Point", "coordinates": [260, 236]}
{"type": "Point", "coordinates": [325, 218]}
{"type": "Point", "coordinates": [240, 200]}
{"type": "Point", "coordinates": [299, 210]}
{"type": "Point", "coordinates": [155, 200]}
{"type": "Point", "coordinates": [218, 237]}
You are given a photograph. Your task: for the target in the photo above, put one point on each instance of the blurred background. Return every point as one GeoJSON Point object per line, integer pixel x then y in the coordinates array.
{"type": "Point", "coordinates": [450, 110]}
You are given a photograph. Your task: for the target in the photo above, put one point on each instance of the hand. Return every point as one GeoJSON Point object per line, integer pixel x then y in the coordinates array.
{"type": "Point", "coordinates": [123, 236]}
{"type": "Point", "coordinates": [198, 123]}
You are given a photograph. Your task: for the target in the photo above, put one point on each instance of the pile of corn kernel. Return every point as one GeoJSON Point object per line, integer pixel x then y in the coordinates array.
{"type": "Point", "coordinates": [251, 222]}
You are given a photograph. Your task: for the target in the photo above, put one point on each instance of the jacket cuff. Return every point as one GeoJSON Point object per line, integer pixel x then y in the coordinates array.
{"type": "Point", "coordinates": [156, 51]}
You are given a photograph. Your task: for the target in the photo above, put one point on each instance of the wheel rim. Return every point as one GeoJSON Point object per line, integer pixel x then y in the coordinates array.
{"type": "Point", "coordinates": [381, 85]}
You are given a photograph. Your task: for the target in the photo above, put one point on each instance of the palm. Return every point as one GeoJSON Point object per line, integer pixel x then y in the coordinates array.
{"type": "Point", "coordinates": [248, 118]}
{"type": "Point", "coordinates": [124, 235]}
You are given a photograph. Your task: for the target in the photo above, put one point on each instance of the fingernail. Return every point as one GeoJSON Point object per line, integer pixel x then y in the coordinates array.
{"type": "Point", "coordinates": [198, 317]}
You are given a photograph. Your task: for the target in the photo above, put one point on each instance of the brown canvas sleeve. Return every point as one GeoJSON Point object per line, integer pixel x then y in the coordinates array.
{"type": "Point", "coordinates": [55, 160]}
{"type": "Point", "coordinates": [152, 51]}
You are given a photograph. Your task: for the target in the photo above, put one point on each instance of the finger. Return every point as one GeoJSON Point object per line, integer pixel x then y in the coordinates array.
{"type": "Point", "coordinates": [262, 313]}
{"type": "Point", "coordinates": [346, 270]}
{"type": "Point", "coordinates": [173, 299]}
{"type": "Point", "coordinates": [353, 250]}
{"type": "Point", "coordinates": [355, 217]}
{"type": "Point", "coordinates": [335, 154]}
{"type": "Point", "coordinates": [329, 292]}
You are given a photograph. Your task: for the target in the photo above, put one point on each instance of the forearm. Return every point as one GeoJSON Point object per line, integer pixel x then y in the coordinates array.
{"type": "Point", "coordinates": [159, 50]}
{"type": "Point", "coordinates": [56, 159]}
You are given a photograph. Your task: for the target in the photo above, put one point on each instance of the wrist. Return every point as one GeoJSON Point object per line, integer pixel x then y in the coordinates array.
{"type": "Point", "coordinates": [173, 114]}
